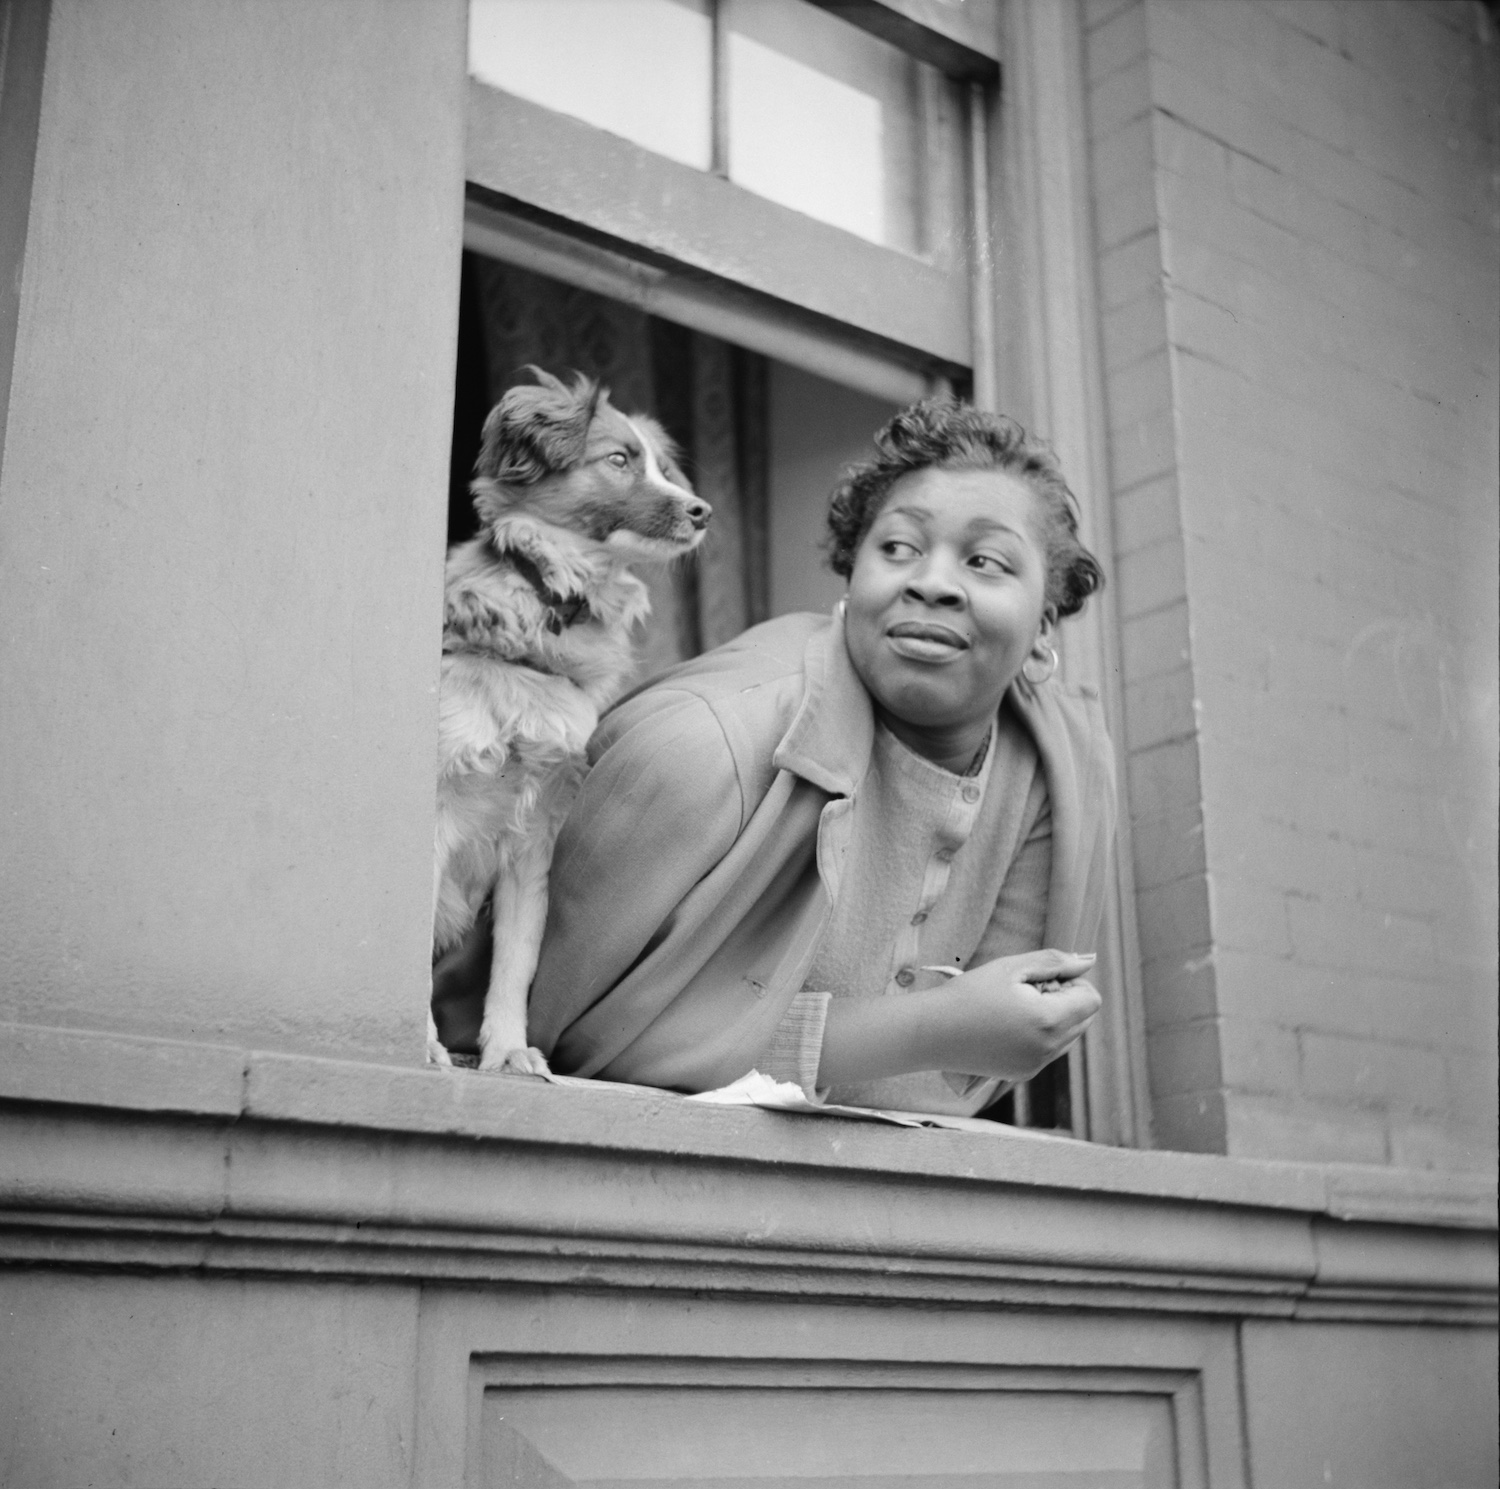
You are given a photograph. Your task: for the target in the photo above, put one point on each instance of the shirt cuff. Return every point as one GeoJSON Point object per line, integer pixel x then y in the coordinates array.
{"type": "Point", "coordinates": [797, 1043]}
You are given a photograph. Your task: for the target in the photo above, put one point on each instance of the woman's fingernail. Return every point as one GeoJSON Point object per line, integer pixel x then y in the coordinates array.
{"type": "Point", "coordinates": [1089, 956]}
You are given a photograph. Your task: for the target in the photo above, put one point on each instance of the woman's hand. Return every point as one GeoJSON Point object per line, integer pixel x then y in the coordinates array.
{"type": "Point", "coordinates": [1008, 1018]}
{"type": "Point", "coordinates": [1019, 1013]}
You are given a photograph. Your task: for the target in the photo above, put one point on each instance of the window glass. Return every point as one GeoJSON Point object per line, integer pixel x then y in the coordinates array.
{"type": "Point", "coordinates": [838, 124]}
{"type": "Point", "coordinates": [817, 114]}
{"type": "Point", "coordinates": [638, 68]}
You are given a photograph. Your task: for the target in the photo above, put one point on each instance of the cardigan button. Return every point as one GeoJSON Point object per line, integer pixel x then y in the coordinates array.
{"type": "Point", "coordinates": [919, 917]}
{"type": "Point", "coordinates": [971, 793]}
{"type": "Point", "coordinates": [905, 977]}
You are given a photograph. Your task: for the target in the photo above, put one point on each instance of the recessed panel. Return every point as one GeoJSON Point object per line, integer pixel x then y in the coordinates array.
{"type": "Point", "coordinates": [731, 1437]}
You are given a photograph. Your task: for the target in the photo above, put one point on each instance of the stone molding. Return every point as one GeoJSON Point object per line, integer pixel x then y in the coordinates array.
{"type": "Point", "coordinates": [145, 1154]}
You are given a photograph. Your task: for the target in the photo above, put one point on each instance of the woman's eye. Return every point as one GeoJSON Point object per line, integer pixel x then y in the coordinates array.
{"type": "Point", "coordinates": [988, 563]}
{"type": "Point", "coordinates": [898, 548]}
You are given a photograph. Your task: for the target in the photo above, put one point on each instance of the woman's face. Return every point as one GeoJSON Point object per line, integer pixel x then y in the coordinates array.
{"type": "Point", "coordinates": [946, 598]}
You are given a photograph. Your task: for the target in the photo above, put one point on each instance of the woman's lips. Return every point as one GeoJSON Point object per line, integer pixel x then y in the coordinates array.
{"type": "Point", "coordinates": [925, 641]}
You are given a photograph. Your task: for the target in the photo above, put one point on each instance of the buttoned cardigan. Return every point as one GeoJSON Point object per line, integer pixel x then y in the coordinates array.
{"type": "Point", "coordinates": [699, 866]}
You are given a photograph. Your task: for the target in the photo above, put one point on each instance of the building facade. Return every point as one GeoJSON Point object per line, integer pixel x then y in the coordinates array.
{"type": "Point", "coordinates": [265, 265]}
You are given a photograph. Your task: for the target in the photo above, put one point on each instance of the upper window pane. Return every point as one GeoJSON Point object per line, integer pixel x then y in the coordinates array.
{"type": "Point", "coordinates": [816, 114]}
{"type": "Point", "coordinates": [838, 124]}
{"type": "Point", "coordinates": [638, 68]}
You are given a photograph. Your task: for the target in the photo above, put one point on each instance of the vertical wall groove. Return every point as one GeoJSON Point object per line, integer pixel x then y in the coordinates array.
{"type": "Point", "coordinates": [23, 54]}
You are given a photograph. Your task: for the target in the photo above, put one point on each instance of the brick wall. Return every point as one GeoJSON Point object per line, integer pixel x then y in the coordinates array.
{"type": "Point", "coordinates": [1297, 220]}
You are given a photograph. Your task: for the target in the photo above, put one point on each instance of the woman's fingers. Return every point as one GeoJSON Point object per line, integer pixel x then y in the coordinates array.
{"type": "Point", "coordinates": [1071, 1006]}
{"type": "Point", "coordinates": [1009, 1017]}
{"type": "Point", "coordinates": [1051, 965]}
{"type": "Point", "coordinates": [1062, 1014]}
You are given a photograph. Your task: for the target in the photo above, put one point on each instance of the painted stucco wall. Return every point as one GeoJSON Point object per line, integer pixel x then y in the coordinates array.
{"type": "Point", "coordinates": [277, 1269]}
{"type": "Point", "coordinates": [221, 521]}
{"type": "Point", "coordinates": [153, 1381]}
{"type": "Point", "coordinates": [1297, 218]}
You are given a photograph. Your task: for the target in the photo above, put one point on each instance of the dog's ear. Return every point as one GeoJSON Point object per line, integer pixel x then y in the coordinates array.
{"type": "Point", "coordinates": [547, 380]}
{"type": "Point", "coordinates": [534, 431]}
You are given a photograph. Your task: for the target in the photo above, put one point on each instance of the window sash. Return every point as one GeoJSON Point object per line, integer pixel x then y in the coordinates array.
{"type": "Point", "coordinates": [644, 204]}
{"type": "Point", "coordinates": [719, 308]}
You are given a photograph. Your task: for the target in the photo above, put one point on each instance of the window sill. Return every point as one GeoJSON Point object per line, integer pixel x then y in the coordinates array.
{"type": "Point", "coordinates": [137, 1152]}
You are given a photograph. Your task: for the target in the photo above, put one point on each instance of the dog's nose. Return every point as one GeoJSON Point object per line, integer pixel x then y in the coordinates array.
{"type": "Point", "coordinates": [698, 513]}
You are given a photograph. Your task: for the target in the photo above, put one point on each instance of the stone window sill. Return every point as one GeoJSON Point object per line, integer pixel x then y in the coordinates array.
{"type": "Point", "coordinates": [133, 1151]}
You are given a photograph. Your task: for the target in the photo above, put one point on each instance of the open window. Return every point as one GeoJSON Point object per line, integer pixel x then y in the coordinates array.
{"type": "Point", "coordinates": [765, 222]}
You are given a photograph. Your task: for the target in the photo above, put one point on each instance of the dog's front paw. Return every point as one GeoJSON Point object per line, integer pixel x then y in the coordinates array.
{"type": "Point", "coordinates": [437, 1051]}
{"type": "Point", "coordinates": [523, 1060]}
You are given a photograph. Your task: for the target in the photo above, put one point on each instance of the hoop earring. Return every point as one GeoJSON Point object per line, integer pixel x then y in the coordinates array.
{"type": "Point", "coordinates": [1036, 682]}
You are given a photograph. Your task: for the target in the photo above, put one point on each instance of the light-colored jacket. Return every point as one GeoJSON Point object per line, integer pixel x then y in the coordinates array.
{"type": "Point", "coordinates": [699, 865]}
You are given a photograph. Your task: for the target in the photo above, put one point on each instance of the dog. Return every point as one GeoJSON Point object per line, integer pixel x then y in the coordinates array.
{"type": "Point", "coordinates": [538, 615]}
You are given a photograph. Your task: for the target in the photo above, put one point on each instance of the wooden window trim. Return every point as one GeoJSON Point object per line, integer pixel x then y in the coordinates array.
{"type": "Point", "coordinates": [503, 229]}
{"type": "Point", "coordinates": [593, 209]}
{"type": "Point", "coordinates": [641, 201]}
{"type": "Point", "coordinates": [960, 40]}
{"type": "Point", "coordinates": [1052, 363]}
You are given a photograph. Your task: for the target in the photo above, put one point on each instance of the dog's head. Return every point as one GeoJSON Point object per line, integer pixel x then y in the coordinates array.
{"type": "Point", "coordinates": [567, 456]}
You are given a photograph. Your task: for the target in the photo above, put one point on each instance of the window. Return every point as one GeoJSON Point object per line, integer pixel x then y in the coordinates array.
{"type": "Point", "coordinates": [764, 222]}
{"type": "Point", "coordinates": [777, 96]}
{"type": "Point", "coordinates": [604, 62]}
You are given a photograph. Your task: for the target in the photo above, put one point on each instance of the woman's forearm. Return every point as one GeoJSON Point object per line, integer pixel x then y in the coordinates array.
{"type": "Point", "coordinates": [995, 1020]}
{"type": "Point", "coordinates": [866, 1038]}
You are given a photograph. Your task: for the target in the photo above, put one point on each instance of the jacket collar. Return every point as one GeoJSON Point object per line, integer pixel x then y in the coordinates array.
{"type": "Point", "coordinates": [833, 731]}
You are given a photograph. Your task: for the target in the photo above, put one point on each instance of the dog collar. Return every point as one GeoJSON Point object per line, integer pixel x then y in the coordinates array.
{"type": "Point", "coordinates": [562, 610]}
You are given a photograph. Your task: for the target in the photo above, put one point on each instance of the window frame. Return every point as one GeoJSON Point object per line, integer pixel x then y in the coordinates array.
{"type": "Point", "coordinates": [595, 210]}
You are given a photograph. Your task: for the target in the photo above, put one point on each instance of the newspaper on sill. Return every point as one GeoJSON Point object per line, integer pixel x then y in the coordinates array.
{"type": "Point", "coordinates": [756, 1089]}
{"type": "Point", "coordinates": [760, 1090]}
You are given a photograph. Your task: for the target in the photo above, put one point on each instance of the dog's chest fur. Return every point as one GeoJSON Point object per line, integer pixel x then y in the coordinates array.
{"type": "Point", "coordinates": [521, 693]}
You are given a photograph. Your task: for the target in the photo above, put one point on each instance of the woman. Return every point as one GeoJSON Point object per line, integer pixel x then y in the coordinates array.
{"type": "Point", "coordinates": [783, 847]}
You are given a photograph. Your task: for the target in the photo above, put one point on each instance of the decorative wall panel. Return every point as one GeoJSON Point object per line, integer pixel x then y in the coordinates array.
{"type": "Point", "coordinates": [609, 1423]}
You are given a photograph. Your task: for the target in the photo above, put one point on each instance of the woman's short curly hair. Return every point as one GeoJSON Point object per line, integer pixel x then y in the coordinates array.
{"type": "Point", "coordinates": [941, 434]}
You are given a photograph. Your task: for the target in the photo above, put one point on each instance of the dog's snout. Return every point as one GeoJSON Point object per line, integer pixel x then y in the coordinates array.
{"type": "Point", "coordinates": [698, 513]}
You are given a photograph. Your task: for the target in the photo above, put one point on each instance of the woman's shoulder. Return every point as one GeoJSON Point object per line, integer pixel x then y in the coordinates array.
{"type": "Point", "coordinates": [751, 676]}
{"type": "Point", "coordinates": [1080, 704]}
{"type": "Point", "coordinates": [1067, 723]}
{"type": "Point", "coordinates": [742, 695]}
{"type": "Point", "coordinates": [773, 650]}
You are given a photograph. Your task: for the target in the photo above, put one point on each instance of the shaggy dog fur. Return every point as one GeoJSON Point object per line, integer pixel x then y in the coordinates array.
{"type": "Point", "coordinates": [539, 610]}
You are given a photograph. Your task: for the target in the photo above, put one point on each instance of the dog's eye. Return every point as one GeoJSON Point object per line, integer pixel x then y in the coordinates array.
{"type": "Point", "coordinates": [619, 459]}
